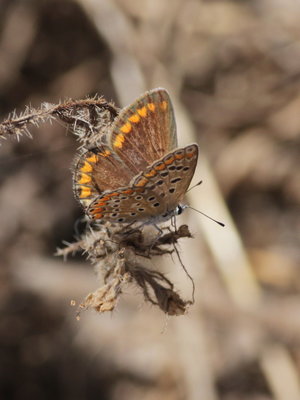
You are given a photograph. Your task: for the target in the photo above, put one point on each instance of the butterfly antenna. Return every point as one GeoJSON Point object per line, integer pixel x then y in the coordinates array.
{"type": "Point", "coordinates": [207, 216]}
{"type": "Point", "coordinates": [197, 184]}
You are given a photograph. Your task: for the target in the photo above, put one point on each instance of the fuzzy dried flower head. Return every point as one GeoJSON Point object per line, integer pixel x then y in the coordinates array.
{"type": "Point", "coordinates": [119, 259]}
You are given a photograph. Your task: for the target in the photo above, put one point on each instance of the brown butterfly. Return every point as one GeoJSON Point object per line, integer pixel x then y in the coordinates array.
{"type": "Point", "coordinates": [139, 174]}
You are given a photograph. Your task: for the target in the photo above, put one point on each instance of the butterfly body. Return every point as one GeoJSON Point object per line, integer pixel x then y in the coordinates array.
{"type": "Point", "coordinates": [139, 174]}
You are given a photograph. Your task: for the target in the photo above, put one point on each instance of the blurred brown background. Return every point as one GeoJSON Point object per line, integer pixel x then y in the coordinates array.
{"type": "Point", "coordinates": [233, 71]}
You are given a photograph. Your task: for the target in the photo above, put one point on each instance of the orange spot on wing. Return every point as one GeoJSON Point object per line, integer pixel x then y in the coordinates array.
{"type": "Point", "coordinates": [190, 155]}
{"type": "Point", "coordinates": [100, 204]}
{"type": "Point", "coordinates": [151, 106]}
{"type": "Point", "coordinates": [119, 140]}
{"type": "Point", "coordinates": [164, 105]}
{"type": "Point", "coordinates": [106, 153]}
{"type": "Point", "coordinates": [151, 173]}
{"type": "Point", "coordinates": [126, 128]}
{"type": "Point", "coordinates": [86, 167]}
{"type": "Point", "coordinates": [85, 192]}
{"type": "Point", "coordinates": [97, 215]}
{"type": "Point", "coordinates": [103, 200]}
{"type": "Point", "coordinates": [135, 118]}
{"type": "Point", "coordinates": [92, 158]}
{"type": "Point", "coordinates": [142, 111]}
{"type": "Point", "coordinates": [142, 182]}
{"type": "Point", "coordinates": [160, 167]}
{"type": "Point", "coordinates": [179, 156]}
{"type": "Point", "coordinates": [169, 161]}
{"type": "Point", "coordinates": [98, 210]}
{"type": "Point", "coordinates": [84, 178]}
{"type": "Point", "coordinates": [128, 191]}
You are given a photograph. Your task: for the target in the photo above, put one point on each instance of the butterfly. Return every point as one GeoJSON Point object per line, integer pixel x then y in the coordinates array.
{"type": "Point", "coordinates": [138, 173]}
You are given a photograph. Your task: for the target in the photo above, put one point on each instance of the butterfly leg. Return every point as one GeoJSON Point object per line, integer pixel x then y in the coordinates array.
{"type": "Point", "coordinates": [160, 231]}
{"type": "Point", "coordinates": [156, 239]}
{"type": "Point", "coordinates": [124, 231]}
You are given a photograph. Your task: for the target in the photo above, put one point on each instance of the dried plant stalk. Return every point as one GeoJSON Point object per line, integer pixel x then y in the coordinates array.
{"type": "Point", "coordinates": [120, 258]}
{"type": "Point", "coordinates": [86, 118]}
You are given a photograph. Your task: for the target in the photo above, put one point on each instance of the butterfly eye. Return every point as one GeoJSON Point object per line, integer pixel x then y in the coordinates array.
{"type": "Point", "coordinates": [179, 210]}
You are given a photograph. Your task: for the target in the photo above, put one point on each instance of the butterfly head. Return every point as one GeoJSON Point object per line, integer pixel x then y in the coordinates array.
{"type": "Point", "coordinates": [167, 215]}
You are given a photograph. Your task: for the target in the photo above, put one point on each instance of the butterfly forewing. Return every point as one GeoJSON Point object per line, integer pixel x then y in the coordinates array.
{"type": "Point", "coordinates": [144, 131]}
{"type": "Point", "coordinates": [96, 171]}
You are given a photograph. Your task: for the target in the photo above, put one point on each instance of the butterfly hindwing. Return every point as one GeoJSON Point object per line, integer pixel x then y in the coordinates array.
{"type": "Point", "coordinates": [146, 198]}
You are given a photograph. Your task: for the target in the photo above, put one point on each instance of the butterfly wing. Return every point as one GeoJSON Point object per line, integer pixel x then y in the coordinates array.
{"type": "Point", "coordinates": [96, 171]}
{"type": "Point", "coordinates": [155, 192]}
{"type": "Point", "coordinates": [170, 176]}
{"type": "Point", "coordinates": [144, 131]}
